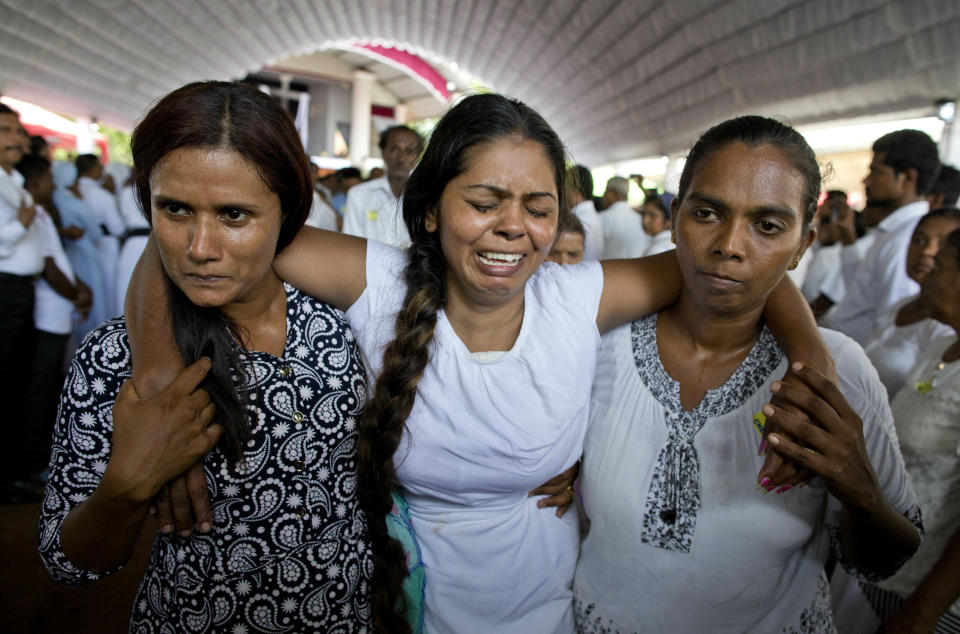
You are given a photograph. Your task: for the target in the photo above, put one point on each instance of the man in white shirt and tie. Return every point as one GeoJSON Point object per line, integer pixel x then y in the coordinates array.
{"type": "Point", "coordinates": [905, 164]}
{"type": "Point", "coordinates": [374, 209]}
{"type": "Point", "coordinates": [22, 254]}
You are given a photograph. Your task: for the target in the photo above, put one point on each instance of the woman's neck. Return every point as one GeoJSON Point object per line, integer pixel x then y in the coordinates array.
{"type": "Point", "coordinates": [263, 317]}
{"type": "Point", "coordinates": [701, 349]}
{"type": "Point", "coordinates": [912, 312]}
{"type": "Point", "coordinates": [713, 331]}
{"type": "Point", "coordinates": [485, 327]}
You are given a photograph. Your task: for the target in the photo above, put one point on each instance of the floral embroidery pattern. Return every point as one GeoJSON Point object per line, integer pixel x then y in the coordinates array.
{"type": "Point", "coordinates": [673, 500]}
{"type": "Point", "coordinates": [816, 618]}
{"type": "Point", "coordinates": [289, 550]}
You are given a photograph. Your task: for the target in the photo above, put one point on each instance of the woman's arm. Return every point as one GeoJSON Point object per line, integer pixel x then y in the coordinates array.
{"type": "Point", "coordinates": [636, 287]}
{"type": "Point", "coordinates": [324, 264]}
{"type": "Point", "coordinates": [936, 593]}
{"type": "Point", "coordinates": [153, 440]}
{"type": "Point", "coordinates": [874, 536]}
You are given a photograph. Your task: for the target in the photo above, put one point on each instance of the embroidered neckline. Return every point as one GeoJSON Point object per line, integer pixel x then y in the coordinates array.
{"type": "Point", "coordinates": [673, 499]}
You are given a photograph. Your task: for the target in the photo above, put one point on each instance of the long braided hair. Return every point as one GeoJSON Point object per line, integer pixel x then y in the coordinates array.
{"type": "Point", "coordinates": [476, 121]}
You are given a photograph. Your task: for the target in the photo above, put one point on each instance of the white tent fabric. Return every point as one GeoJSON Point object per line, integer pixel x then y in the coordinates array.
{"type": "Point", "coordinates": [617, 78]}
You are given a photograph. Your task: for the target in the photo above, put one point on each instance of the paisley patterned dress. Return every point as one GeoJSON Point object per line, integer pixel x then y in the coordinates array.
{"type": "Point", "coordinates": [289, 550]}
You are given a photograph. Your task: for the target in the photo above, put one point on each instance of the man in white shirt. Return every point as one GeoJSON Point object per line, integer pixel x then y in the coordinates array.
{"type": "Point", "coordinates": [580, 197]}
{"type": "Point", "coordinates": [623, 235]}
{"type": "Point", "coordinates": [21, 260]}
{"type": "Point", "coordinates": [375, 209]}
{"type": "Point", "coordinates": [103, 203]}
{"type": "Point", "coordinates": [905, 163]}
{"type": "Point", "coordinates": [59, 296]}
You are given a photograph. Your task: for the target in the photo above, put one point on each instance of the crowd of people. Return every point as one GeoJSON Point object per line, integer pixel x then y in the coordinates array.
{"type": "Point", "coordinates": [349, 402]}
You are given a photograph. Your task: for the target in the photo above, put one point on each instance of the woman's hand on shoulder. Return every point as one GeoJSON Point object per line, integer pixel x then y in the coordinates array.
{"type": "Point", "coordinates": [830, 443]}
{"type": "Point", "coordinates": [158, 438]}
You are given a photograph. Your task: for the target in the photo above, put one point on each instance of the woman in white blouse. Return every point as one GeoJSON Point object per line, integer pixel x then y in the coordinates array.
{"type": "Point", "coordinates": [924, 596]}
{"type": "Point", "coordinates": [906, 329]}
{"type": "Point", "coordinates": [680, 539]}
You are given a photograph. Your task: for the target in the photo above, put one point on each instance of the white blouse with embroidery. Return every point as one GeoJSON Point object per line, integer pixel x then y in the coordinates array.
{"type": "Point", "coordinates": [927, 415]}
{"type": "Point", "coordinates": [680, 539]}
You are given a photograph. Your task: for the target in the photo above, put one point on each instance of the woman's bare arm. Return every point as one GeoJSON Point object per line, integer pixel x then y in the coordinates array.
{"type": "Point", "coordinates": [324, 264]}
{"type": "Point", "coordinates": [934, 596]}
{"type": "Point", "coordinates": [636, 287]}
{"type": "Point", "coordinates": [154, 354]}
{"type": "Point", "coordinates": [789, 318]}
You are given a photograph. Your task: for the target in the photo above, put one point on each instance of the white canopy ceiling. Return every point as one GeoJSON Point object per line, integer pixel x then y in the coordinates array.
{"type": "Point", "coordinates": [617, 78]}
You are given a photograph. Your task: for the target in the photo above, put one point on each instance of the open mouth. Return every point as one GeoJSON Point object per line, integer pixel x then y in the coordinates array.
{"type": "Point", "coordinates": [494, 258]}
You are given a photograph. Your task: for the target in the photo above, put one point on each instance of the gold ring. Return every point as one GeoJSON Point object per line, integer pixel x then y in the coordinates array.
{"type": "Point", "coordinates": [569, 487]}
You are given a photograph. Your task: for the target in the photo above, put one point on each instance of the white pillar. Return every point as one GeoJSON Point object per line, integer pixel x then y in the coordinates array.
{"type": "Point", "coordinates": [360, 116]}
{"type": "Point", "coordinates": [84, 136]}
{"type": "Point", "coordinates": [400, 112]}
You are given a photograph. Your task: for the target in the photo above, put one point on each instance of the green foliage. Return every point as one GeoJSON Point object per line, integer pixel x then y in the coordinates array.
{"type": "Point", "coordinates": [119, 143]}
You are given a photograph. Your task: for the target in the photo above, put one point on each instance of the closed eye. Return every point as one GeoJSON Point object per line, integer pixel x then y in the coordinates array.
{"type": "Point", "coordinates": [481, 207]}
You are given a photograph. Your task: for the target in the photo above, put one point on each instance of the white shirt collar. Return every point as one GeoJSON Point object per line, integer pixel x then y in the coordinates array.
{"type": "Point", "coordinates": [904, 215]}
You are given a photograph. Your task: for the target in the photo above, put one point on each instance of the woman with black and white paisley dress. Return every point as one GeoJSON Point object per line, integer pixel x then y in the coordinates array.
{"type": "Point", "coordinates": [222, 172]}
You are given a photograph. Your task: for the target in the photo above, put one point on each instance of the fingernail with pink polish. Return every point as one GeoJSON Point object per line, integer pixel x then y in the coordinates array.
{"type": "Point", "coordinates": [762, 449]}
{"type": "Point", "coordinates": [785, 488]}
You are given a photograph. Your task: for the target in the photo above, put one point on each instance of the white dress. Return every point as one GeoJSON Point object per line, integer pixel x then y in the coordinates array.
{"type": "Point", "coordinates": [480, 436]}
{"type": "Point", "coordinates": [927, 413]}
{"type": "Point", "coordinates": [894, 349]}
{"type": "Point", "coordinates": [680, 540]}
